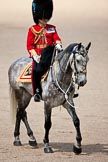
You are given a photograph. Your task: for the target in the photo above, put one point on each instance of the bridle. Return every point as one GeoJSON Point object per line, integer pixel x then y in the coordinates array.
{"type": "Point", "coordinates": [56, 82]}
{"type": "Point", "coordinates": [76, 72]}
{"type": "Point", "coordinates": [75, 51]}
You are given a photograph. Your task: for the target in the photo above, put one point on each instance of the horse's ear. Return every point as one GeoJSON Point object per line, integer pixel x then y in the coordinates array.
{"type": "Point", "coordinates": [79, 46]}
{"type": "Point", "coordinates": [88, 46]}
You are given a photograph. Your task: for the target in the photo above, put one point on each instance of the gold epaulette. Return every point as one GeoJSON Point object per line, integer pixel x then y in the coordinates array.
{"type": "Point", "coordinates": [37, 34]}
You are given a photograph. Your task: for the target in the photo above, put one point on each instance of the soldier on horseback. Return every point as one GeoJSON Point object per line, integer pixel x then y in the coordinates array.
{"type": "Point", "coordinates": [42, 38]}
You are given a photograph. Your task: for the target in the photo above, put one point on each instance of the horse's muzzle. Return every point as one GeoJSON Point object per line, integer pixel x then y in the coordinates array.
{"type": "Point", "coordinates": [82, 83]}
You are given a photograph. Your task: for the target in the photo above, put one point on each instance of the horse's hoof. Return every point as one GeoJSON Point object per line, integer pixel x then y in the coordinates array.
{"type": "Point", "coordinates": [33, 143]}
{"type": "Point", "coordinates": [17, 143]}
{"type": "Point", "coordinates": [48, 149]}
{"type": "Point", "coordinates": [77, 150]}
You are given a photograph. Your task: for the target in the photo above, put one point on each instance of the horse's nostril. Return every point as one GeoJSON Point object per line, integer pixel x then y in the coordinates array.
{"type": "Point", "coordinates": [82, 83]}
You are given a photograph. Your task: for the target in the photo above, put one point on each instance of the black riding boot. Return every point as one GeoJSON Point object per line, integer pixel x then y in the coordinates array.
{"type": "Point", "coordinates": [36, 79]}
{"type": "Point", "coordinates": [38, 89]}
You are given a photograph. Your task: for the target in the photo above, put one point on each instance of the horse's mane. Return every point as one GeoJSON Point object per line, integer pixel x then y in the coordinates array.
{"type": "Point", "coordinates": [67, 50]}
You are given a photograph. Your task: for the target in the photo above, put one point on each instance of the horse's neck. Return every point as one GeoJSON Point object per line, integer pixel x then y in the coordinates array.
{"type": "Point", "coordinates": [62, 72]}
{"type": "Point", "coordinates": [64, 61]}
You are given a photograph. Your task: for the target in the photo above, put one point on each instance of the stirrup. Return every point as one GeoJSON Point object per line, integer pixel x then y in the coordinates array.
{"type": "Point", "coordinates": [37, 97]}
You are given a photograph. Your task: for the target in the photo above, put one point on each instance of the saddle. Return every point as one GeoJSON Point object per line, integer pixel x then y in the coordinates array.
{"type": "Point", "coordinates": [25, 75]}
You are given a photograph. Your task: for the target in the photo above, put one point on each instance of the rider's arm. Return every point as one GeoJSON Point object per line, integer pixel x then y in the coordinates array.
{"type": "Point", "coordinates": [57, 41]}
{"type": "Point", "coordinates": [56, 38]}
{"type": "Point", "coordinates": [30, 43]}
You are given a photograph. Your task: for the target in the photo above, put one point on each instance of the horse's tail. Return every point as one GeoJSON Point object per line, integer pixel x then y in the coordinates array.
{"type": "Point", "coordinates": [13, 104]}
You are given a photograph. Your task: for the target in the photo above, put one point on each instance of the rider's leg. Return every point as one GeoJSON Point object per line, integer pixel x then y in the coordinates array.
{"type": "Point", "coordinates": [38, 69]}
{"type": "Point", "coordinates": [36, 79]}
{"type": "Point", "coordinates": [33, 78]}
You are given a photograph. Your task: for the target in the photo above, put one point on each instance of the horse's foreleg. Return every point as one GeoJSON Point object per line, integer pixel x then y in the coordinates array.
{"type": "Point", "coordinates": [47, 126]}
{"type": "Point", "coordinates": [17, 141]}
{"type": "Point", "coordinates": [32, 140]}
{"type": "Point", "coordinates": [77, 147]}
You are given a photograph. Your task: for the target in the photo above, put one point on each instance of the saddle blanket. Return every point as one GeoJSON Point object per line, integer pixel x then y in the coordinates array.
{"type": "Point", "coordinates": [25, 75]}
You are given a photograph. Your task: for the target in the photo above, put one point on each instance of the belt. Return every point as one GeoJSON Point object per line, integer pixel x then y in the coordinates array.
{"type": "Point", "coordinates": [41, 46]}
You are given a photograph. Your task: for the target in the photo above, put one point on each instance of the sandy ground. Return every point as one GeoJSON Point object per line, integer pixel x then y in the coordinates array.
{"type": "Point", "coordinates": [82, 21]}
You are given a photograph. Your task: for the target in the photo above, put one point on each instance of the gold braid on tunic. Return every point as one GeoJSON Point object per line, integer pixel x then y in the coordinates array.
{"type": "Point", "coordinates": [37, 34]}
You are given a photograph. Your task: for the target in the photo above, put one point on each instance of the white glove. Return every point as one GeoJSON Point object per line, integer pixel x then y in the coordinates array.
{"type": "Point", "coordinates": [36, 58]}
{"type": "Point", "coordinates": [58, 47]}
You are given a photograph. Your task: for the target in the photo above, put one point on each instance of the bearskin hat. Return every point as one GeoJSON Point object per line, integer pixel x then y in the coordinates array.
{"type": "Point", "coordinates": [42, 9]}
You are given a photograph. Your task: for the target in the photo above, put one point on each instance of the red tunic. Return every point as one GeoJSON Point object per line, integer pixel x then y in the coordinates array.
{"type": "Point", "coordinates": [38, 38]}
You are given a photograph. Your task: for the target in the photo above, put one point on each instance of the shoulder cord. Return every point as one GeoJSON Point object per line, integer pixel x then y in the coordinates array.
{"type": "Point", "coordinates": [37, 34]}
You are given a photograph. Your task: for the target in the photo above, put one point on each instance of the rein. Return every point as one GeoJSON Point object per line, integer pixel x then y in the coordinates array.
{"type": "Point", "coordinates": [55, 82]}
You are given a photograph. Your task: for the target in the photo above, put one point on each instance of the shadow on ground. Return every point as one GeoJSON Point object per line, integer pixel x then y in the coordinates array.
{"type": "Point", "coordinates": [86, 149]}
{"type": "Point", "coordinates": [68, 147]}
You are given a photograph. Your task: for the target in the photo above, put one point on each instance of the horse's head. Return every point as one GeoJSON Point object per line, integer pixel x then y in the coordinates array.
{"type": "Point", "coordinates": [78, 61]}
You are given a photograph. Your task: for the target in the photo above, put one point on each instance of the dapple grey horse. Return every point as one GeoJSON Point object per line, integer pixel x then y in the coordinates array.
{"type": "Point", "coordinates": [68, 67]}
